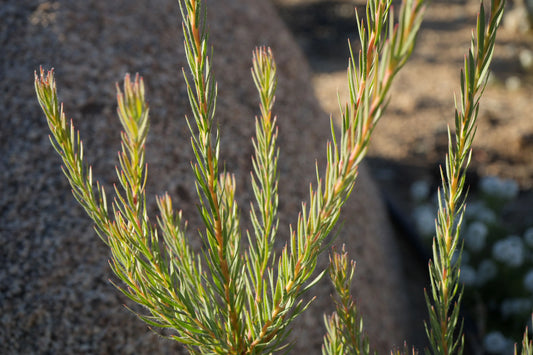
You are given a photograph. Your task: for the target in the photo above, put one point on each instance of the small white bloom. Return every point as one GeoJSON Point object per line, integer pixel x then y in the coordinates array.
{"type": "Point", "coordinates": [480, 212]}
{"type": "Point", "coordinates": [528, 281]}
{"type": "Point", "coordinates": [420, 190]}
{"type": "Point", "coordinates": [476, 236]}
{"type": "Point", "coordinates": [515, 306]}
{"type": "Point", "coordinates": [424, 216]}
{"type": "Point", "coordinates": [487, 271]}
{"type": "Point", "coordinates": [509, 251]}
{"type": "Point", "coordinates": [494, 342]}
{"type": "Point", "coordinates": [490, 185]}
{"type": "Point", "coordinates": [528, 237]}
{"type": "Point", "coordinates": [499, 188]}
{"type": "Point", "coordinates": [511, 188]}
{"type": "Point", "coordinates": [468, 275]}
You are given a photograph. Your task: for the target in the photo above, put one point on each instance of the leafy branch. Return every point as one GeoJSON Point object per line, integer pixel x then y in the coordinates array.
{"type": "Point", "coordinates": [527, 345]}
{"type": "Point", "coordinates": [235, 300]}
{"type": "Point", "coordinates": [380, 59]}
{"type": "Point", "coordinates": [345, 333]}
{"type": "Point", "coordinates": [446, 291]}
{"type": "Point", "coordinates": [385, 48]}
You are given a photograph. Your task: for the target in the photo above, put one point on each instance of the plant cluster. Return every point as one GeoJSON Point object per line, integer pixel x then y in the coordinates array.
{"type": "Point", "coordinates": [237, 299]}
{"type": "Point", "coordinates": [496, 263]}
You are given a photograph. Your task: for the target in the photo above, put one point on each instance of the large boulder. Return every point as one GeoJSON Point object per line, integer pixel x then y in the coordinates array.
{"type": "Point", "coordinates": [55, 296]}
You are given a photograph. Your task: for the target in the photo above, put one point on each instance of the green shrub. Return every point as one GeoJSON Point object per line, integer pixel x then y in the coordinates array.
{"type": "Point", "coordinates": [236, 300]}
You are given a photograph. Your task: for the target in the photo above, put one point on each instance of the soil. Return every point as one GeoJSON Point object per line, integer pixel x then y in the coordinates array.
{"type": "Point", "coordinates": [411, 140]}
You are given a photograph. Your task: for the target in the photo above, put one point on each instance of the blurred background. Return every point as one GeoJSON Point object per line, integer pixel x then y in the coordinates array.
{"type": "Point", "coordinates": [410, 144]}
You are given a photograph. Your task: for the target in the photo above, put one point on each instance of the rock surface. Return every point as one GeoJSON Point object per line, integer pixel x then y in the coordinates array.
{"type": "Point", "coordinates": [54, 291]}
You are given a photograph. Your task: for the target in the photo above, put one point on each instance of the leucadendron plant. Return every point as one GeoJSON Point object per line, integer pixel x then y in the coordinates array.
{"type": "Point", "coordinates": [237, 299]}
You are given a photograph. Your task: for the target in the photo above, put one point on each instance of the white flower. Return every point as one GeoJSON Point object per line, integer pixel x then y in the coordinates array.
{"type": "Point", "coordinates": [494, 342]}
{"type": "Point", "coordinates": [509, 251]}
{"type": "Point", "coordinates": [499, 188]}
{"type": "Point", "coordinates": [419, 190]}
{"type": "Point", "coordinates": [528, 237]}
{"type": "Point", "coordinates": [468, 275]}
{"type": "Point", "coordinates": [487, 270]}
{"type": "Point", "coordinates": [476, 236]}
{"type": "Point", "coordinates": [480, 212]}
{"type": "Point", "coordinates": [425, 220]}
{"type": "Point", "coordinates": [515, 306]}
{"type": "Point", "coordinates": [489, 184]}
{"type": "Point", "coordinates": [528, 281]}
{"type": "Point", "coordinates": [511, 188]}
